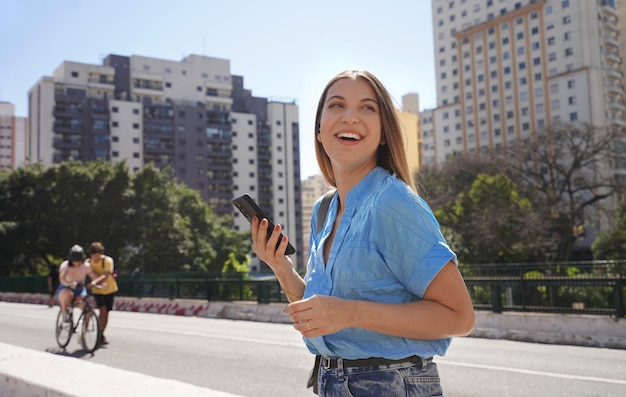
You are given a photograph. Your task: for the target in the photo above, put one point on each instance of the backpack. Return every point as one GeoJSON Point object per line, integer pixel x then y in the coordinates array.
{"type": "Point", "coordinates": [323, 210]}
{"type": "Point", "coordinates": [114, 274]}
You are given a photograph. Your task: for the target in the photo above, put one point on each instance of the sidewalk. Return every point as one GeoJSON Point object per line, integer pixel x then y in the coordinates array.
{"type": "Point", "coordinates": [31, 373]}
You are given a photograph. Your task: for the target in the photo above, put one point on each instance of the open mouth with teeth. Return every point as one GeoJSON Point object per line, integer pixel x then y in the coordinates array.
{"type": "Point", "coordinates": [346, 136]}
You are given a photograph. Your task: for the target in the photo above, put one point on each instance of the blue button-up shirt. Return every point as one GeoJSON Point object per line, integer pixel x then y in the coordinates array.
{"type": "Point", "coordinates": [388, 248]}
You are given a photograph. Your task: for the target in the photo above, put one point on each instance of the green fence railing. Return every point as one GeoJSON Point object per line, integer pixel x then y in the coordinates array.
{"type": "Point", "coordinates": [596, 288]}
{"type": "Point", "coordinates": [171, 286]}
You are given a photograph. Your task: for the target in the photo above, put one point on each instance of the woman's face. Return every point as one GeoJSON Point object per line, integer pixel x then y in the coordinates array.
{"type": "Point", "coordinates": [350, 127]}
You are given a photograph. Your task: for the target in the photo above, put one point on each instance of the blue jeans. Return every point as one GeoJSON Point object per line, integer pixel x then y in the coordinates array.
{"type": "Point", "coordinates": [406, 380]}
{"type": "Point", "coordinates": [79, 291]}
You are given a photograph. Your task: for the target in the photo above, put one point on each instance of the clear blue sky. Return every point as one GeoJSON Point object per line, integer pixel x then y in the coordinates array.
{"type": "Point", "coordinates": [282, 48]}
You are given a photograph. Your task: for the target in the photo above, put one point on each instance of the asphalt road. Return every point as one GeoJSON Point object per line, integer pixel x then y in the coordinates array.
{"type": "Point", "coordinates": [269, 360]}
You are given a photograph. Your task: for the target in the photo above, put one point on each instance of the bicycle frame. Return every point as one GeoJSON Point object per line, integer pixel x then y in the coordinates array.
{"type": "Point", "coordinates": [87, 324]}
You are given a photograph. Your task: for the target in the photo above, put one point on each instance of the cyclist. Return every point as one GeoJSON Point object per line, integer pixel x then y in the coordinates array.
{"type": "Point", "coordinates": [72, 274]}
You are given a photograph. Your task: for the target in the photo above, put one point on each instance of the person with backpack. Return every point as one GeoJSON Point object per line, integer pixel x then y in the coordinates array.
{"type": "Point", "coordinates": [382, 294]}
{"type": "Point", "coordinates": [104, 267]}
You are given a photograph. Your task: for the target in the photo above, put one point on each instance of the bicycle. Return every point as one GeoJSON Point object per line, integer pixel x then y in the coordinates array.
{"type": "Point", "coordinates": [87, 322]}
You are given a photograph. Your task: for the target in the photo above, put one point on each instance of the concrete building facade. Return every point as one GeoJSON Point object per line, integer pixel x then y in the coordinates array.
{"type": "Point", "coordinates": [509, 68]}
{"type": "Point", "coordinates": [13, 137]}
{"type": "Point", "coordinates": [192, 115]}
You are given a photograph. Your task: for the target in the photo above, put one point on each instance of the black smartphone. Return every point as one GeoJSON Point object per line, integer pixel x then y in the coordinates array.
{"type": "Point", "coordinates": [250, 209]}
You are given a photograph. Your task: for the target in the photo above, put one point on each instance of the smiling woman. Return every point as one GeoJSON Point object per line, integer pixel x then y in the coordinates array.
{"type": "Point", "coordinates": [382, 293]}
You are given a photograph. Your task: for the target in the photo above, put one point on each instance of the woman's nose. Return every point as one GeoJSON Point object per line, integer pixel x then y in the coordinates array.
{"type": "Point", "coordinates": [350, 116]}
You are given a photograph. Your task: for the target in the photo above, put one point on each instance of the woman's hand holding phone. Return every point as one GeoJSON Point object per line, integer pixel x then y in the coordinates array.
{"type": "Point", "coordinates": [270, 249]}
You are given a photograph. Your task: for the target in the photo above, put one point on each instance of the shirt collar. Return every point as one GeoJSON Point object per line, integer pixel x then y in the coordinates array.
{"type": "Point", "coordinates": [371, 182]}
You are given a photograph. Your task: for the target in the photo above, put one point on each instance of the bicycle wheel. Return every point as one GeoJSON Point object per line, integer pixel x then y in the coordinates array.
{"type": "Point", "coordinates": [63, 330]}
{"type": "Point", "coordinates": [89, 330]}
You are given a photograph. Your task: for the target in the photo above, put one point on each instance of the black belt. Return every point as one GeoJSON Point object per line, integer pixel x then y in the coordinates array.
{"type": "Point", "coordinates": [334, 362]}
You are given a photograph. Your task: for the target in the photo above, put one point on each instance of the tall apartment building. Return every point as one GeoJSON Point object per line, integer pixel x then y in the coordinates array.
{"type": "Point", "coordinates": [312, 189]}
{"type": "Point", "coordinates": [508, 68]}
{"type": "Point", "coordinates": [13, 137]}
{"type": "Point", "coordinates": [191, 115]}
{"type": "Point", "coordinates": [409, 118]}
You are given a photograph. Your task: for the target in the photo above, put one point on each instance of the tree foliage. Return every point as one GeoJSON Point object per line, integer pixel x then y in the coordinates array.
{"type": "Point", "coordinates": [481, 211]}
{"type": "Point", "coordinates": [612, 244]}
{"type": "Point", "coordinates": [526, 203]}
{"type": "Point", "coordinates": [146, 220]}
{"type": "Point", "coordinates": [567, 173]}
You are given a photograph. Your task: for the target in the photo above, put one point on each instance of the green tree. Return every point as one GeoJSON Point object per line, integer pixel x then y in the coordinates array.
{"type": "Point", "coordinates": [566, 171]}
{"type": "Point", "coordinates": [492, 221]}
{"type": "Point", "coordinates": [612, 244]}
{"type": "Point", "coordinates": [481, 211]}
{"type": "Point", "coordinates": [145, 220]}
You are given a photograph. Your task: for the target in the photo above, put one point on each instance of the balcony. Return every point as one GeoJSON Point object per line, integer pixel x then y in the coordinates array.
{"type": "Point", "coordinates": [101, 82]}
{"type": "Point", "coordinates": [65, 142]}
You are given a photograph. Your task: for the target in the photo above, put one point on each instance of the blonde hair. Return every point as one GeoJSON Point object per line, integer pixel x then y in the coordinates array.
{"type": "Point", "coordinates": [392, 155]}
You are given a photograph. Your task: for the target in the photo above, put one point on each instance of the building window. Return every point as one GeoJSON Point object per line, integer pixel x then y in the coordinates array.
{"type": "Point", "coordinates": [573, 116]}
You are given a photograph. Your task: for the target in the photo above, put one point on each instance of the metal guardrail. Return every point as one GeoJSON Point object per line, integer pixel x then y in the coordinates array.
{"type": "Point", "coordinates": [596, 288]}
{"type": "Point", "coordinates": [171, 286]}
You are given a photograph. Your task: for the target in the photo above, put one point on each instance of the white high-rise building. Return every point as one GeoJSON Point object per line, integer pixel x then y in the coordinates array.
{"type": "Point", "coordinates": [508, 68]}
{"type": "Point", "coordinates": [192, 115]}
